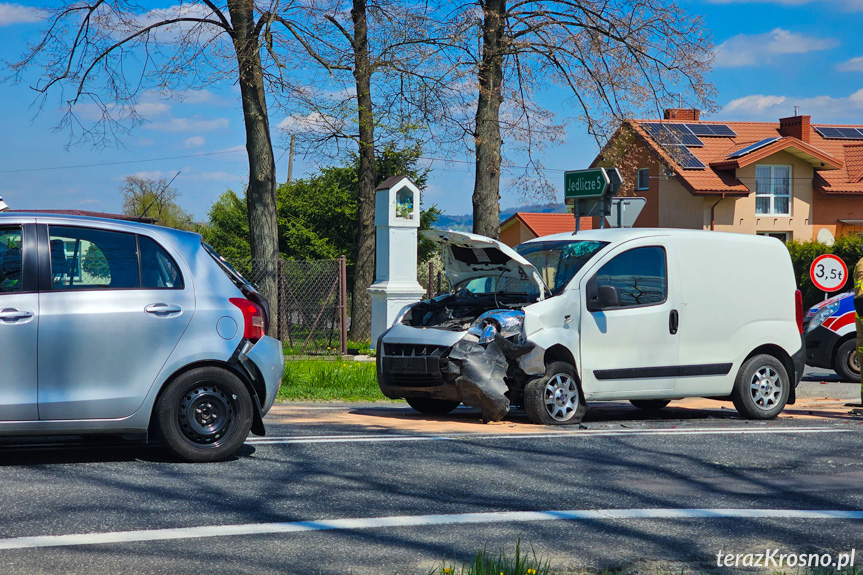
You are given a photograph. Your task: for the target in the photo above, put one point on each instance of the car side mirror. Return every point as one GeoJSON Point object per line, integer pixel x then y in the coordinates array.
{"type": "Point", "coordinates": [603, 297]}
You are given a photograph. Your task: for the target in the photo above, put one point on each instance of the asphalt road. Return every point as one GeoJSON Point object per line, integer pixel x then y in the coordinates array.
{"type": "Point", "coordinates": [622, 491]}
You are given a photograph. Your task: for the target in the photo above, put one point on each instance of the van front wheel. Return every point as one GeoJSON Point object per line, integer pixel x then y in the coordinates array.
{"type": "Point", "coordinates": [555, 398]}
{"type": "Point", "coordinates": [762, 387]}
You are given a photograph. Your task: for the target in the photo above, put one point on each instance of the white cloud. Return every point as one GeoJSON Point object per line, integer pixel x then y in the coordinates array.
{"type": "Point", "coordinates": [147, 109]}
{"type": "Point", "coordinates": [852, 65]}
{"type": "Point", "coordinates": [194, 142]}
{"type": "Point", "coordinates": [749, 50]}
{"type": "Point", "coordinates": [17, 14]}
{"type": "Point", "coordinates": [754, 104]}
{"type": "Point", "coordinates": [155, 175]}
{"type": "Point", "coordinates": [313, 122]}
{"type": "Point", "coordinates": [146, 142]}
{"type": "Point", "coordinates": [194, 124]}
{"type": "Point", "coordinates": [821, 108]}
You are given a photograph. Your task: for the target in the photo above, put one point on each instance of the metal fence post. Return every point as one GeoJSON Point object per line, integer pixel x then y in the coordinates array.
{"type": "Point", "coordinates": [431, 279]}
{"type": "Point", "coordinates": [343, 304]}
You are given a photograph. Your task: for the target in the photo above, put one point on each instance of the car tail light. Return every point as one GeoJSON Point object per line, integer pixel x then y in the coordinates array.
{"type": "Point", "coordinates": [798, 302]}
{"type": "Point", "coordinates": [253, 318]}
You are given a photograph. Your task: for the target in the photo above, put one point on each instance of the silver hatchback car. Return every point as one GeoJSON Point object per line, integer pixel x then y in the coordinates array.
{"type": "Point", "coordinates": [117, 327]}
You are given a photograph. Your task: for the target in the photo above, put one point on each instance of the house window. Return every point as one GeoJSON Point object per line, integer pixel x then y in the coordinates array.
{"type": "Point", "coordinates": [643, 178]}
{"type": "Point", "coordinates": [773, 190]}
{"type": "Point", "coordinates": [783, 237]}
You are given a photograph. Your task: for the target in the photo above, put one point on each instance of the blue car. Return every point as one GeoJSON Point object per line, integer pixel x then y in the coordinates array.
{"type": "Point", "coordinates": [831, 338]}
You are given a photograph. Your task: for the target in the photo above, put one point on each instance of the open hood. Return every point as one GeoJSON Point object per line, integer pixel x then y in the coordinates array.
{"type": "Point", "coordinates": [467, 256]}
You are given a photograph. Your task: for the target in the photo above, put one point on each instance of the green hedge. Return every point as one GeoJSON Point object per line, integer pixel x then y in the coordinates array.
{"type": "Point", "coordinates": [802, 254]}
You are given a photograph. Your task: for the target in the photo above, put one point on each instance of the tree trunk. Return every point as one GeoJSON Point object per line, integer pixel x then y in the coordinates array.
{"type": "Point", "coordinates": [365, 267]}
{"type": "Point", "coordinates": [261, 194]}
{"type": "Point", "coordinates": [486, 191]}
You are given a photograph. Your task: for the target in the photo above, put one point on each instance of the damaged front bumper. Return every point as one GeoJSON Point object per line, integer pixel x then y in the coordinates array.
{"type": "Point", "coordinates": [454, 366]}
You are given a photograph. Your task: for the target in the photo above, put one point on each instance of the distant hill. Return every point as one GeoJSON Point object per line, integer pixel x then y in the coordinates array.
{"type": "Point", "coordinates": [465, 223]}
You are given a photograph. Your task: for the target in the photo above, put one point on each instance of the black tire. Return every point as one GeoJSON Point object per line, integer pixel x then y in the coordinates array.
{"type": "Point", "coordinates": [847, 364]}
{"type": "Point", "coordinates": [431, 406]}
{"type": "Point", "coordinates": [761, 388]}
{"type": "Point", "coordinates": [555, 398]}
{"type": "Point", "coordinates": [650, 404]}
{"type": "Point", "coordinates": [203, 415]}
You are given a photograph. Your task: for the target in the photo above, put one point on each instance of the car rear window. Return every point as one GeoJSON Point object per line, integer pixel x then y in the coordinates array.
{"type": "Point", "coordinates": [229, 270]}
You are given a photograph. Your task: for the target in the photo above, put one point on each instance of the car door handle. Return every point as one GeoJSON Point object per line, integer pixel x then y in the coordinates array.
{"type": "Point", "coordinates": [673, 320]}
{"type": "Point", "coordinates": [162, 309]}
{"type": "Point", "coordinates": [12, 314]}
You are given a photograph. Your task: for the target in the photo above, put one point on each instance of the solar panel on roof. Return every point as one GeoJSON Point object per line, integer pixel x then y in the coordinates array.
{"type": "Point", "coordinates": [685, 158]}
{"type": "Point", "coordinates": [674, 139]}
{"type": "Point", "coordinates": [850, 133]}
{"type": "Point", "coordinates": [751, 148]}
{"type": "Point", "coordinates": [711, 130]}
{"type": "Point", "coordinates": [839, 133]}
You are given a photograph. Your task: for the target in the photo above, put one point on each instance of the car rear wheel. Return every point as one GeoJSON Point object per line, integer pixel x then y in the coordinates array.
{"type": "Point", "coordinates": [204, 415]}
{"type": "Point", "coordinates": [847, 364]}
{"type": "Point", "coordinates": [649, 404]}
{"type": "Point", "coordinates": [431, 406]}
{"type": "Point", "coordinates": [761, 388]}
{"type": "Point", "coordinates": [555, 398]}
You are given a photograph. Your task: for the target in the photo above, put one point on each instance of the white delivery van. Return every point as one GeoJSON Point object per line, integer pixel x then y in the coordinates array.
{"type": "Point", "coordinates": [645, 315]}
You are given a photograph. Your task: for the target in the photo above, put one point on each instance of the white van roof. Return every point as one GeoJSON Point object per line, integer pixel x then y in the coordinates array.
{"type": "Point", "coordinates": [616, 235]}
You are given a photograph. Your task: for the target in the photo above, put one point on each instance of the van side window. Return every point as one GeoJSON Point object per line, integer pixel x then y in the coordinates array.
{"type": "Point", "coordinates": [640, 276]}
{"type": "Point", "coordinates": [84, 258]}
{"type": "Point", "coordinates": [158, 269]}
{"type": "Point", "coordinates": [10, 260]}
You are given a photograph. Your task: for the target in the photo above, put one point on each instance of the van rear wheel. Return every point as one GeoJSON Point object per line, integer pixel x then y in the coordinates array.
{"type": "Point", "coordinates": [555, 398]}
{"type": "Point", "coordinates": [761, 388]}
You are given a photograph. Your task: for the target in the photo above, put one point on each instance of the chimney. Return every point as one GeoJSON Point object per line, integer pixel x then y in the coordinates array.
{"type": "Point", "coordinates": [682, 114]}
{"type": "Point", "coordinates": [796, 127]}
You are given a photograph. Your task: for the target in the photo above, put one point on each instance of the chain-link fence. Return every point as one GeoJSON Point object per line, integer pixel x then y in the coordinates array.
{"type": "Point", "coordinates": [315, 302]}
{"type": "Point", "coordinates": [310, 304]}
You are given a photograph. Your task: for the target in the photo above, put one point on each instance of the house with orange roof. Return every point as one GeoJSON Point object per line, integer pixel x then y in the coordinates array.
{"type": "Point", "coordinates": [791, 179]}
{"type": "Point", "coordinates": [523, 226]}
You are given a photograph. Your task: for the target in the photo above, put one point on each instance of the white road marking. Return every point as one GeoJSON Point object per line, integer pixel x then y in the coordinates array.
{"type": "Point", "coordinates": [584, 433]}
{"type": "Point", "coordinates": [78, 539]}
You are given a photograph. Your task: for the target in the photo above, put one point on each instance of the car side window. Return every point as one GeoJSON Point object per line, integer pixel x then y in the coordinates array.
{"type": "Point", "coordinates": [10, 260]}
{"type": "Point", "coordinates": [640, 276]}
{"type": "Point", "coordinates": [86, 258]}
{"type": "Point", "coordinates": [158, 269]}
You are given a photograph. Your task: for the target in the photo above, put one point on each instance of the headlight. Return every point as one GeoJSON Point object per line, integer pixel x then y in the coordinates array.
{"type": "Point", "coordinates": [402, 313]}
{"type": "Point", "coordinates": [506, 322]}
{"type": "Point", "coordinates": [822, 314]}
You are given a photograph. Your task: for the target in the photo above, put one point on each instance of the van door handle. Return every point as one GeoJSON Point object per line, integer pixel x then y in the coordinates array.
{"type": "Point", "coordinates": [673, 320]}
{"type": "Point", "coordinates": [162, 309]}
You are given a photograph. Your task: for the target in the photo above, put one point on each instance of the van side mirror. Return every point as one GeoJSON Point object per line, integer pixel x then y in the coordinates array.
{"type": "Point", "coordinates": [603, 297]}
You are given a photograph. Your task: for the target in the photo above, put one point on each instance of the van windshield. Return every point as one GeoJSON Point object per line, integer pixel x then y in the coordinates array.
{"type": "Point", "coordinates": [558, 261]}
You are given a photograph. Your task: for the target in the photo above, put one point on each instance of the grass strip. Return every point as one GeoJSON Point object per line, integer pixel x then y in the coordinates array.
{"type": "Point", "coordinates": [485, 563]}
{"type": "Point", "coordinates": [324, 380]}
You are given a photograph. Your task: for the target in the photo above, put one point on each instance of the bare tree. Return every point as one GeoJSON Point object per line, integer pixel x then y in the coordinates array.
{"type": "Point", "coordinates": [154, 198]}
{"type": "Point", "coordinates": [364, 46]}
{"type": "Point", "coordinates": [615, 59]}
{"type": "Point", "coordinates": [104, 55]}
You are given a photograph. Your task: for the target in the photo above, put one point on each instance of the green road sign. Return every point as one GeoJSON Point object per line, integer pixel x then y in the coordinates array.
{"type": "Point", "coordinates": [585, 183]}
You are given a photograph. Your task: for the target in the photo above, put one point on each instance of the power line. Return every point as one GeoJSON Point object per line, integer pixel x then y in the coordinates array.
{"type": "Point", "coordinates": [96, 165]}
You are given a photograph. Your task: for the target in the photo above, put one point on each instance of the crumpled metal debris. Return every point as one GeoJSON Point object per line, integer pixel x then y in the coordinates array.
{"type": "Point", "coordinates": [482, 370]}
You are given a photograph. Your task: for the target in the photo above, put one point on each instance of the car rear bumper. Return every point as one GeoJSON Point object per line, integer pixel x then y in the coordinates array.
{"type": "Point", "coordinates": [269, 359]}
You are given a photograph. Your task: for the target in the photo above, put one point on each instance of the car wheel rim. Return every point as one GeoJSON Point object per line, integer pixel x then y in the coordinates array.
{"type": "Point", "coordinates": [561, 397]}
{"type": "Point", "coordinates": [854, 361]}
{"type": "Point", "coordinates": [207, 414]}
{"type": "Point", "coordinates": [765, 388]}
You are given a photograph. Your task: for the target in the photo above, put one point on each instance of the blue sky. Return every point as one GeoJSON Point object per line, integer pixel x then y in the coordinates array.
{"type": "Point", "coordinates": [771, 55]}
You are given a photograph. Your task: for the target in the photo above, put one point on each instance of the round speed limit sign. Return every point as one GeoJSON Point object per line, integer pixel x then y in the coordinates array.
{"type": "Point", "coordinates": [828, 272]}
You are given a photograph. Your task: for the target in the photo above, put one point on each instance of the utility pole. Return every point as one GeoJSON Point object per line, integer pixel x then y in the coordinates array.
{"type": "Point", "coordinates": [291, 160]}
